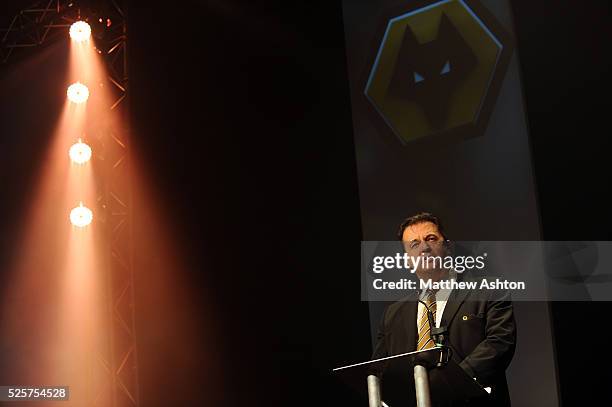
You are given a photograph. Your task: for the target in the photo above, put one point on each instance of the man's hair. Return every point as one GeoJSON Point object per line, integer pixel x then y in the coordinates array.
{"type": "Point", "coordinates": [420, 218]}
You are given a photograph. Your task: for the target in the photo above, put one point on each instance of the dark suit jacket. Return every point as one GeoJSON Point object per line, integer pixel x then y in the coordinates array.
{"type": "Point", "coordinates": [481, 333]}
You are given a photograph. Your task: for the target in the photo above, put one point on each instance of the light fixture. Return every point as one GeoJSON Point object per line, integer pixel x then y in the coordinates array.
{"type": "Point", "coordinates": [77, 93]}
{"type": "Point", "coordinates": [79, 152]}
{"type": "Point", "coordinates": [80, 31]}
{"type": "Point", "coordinates": [81, 216]}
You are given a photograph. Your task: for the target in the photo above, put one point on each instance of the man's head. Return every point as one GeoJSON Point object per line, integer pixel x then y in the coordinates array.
{"type": "Point", "coordinates": [423, 235]}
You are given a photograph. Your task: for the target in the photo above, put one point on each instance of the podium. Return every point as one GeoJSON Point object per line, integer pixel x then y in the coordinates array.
{"type": "Point", "coordinates": [438, 380]}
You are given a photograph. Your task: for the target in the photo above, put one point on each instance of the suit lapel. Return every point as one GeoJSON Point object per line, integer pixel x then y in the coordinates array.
{"type": "Point", "coordinates": [455, 300]}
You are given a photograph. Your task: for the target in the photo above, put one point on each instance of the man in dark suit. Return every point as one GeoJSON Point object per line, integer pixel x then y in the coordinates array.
{"type": "Point", "coordinates": [481, 328]}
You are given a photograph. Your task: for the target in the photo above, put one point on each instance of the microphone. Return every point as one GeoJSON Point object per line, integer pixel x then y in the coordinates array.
{"type": "Point", "coordinates": [430, 318]}
{"type": "Point", "coordinates": [437, 334]}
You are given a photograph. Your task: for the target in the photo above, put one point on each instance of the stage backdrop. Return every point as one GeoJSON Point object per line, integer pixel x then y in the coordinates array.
{"type": "Point", "coordinates": [439, 125]}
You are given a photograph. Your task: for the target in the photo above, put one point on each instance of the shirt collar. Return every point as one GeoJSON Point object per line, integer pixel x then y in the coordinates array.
{"type": "Point", "coordinates": [443, 293]}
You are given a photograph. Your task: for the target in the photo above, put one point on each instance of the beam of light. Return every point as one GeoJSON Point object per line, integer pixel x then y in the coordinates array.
{"type": "Point", "coordinates": [80, 31]}
{"type": "Point", "coordinates": [79, 152]}
{"type": "Point", "coordinates": [56, 279]}
{"type": "Point", "coordinates": [59, 283]}
{"type": "Point", "coordinates": [78, 93]}
{"type": "Point", "coordinates": [81, 216]}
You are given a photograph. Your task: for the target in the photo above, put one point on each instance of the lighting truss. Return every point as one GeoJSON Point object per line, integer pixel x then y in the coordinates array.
{"type": "Point", "coordinates": [114, 372]}
{"type": "Point", "coordinates": [36, 25]}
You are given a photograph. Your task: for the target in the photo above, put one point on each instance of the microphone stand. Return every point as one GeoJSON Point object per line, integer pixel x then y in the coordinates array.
{"type": "Point", "coordinates": [437, 334]}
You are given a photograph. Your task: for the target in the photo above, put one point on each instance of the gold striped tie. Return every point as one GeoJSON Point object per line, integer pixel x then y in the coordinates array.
{"type": "Point", "coordinates": [425, 341]}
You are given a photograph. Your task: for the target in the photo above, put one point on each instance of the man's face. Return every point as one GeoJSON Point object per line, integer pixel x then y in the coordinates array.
{"type": "Point", "coordinates": [424, 239]}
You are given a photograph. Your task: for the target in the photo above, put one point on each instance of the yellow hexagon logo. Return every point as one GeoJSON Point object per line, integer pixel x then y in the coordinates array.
{"type": "Point", "coordinates": [438, 70]}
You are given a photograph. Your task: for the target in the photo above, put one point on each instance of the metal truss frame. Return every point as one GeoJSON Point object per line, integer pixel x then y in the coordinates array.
{"type": "Point", "coordinates": [113, 375]}
{"type": "Point", "coordinates": [35, 25]}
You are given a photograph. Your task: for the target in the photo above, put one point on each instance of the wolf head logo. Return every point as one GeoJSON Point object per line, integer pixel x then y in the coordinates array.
{"type": "Point", "coordinates": [428, 73]}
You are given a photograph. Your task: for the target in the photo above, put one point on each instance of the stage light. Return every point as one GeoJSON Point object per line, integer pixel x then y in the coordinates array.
{"type": "Point", "coordinates": [80, 152]}
{"type": "Point", "coordinates": [81, 216]}
{"type": "Point", "coordinates": [80, 31]}
{"type": "Point", "coordinates": [77, 93]}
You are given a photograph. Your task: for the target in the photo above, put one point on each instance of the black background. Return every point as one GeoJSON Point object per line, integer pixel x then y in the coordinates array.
{"type": "Point", "coordinates": [241, 116]}
{"type": "Point", "coordinates": [566, 75]}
